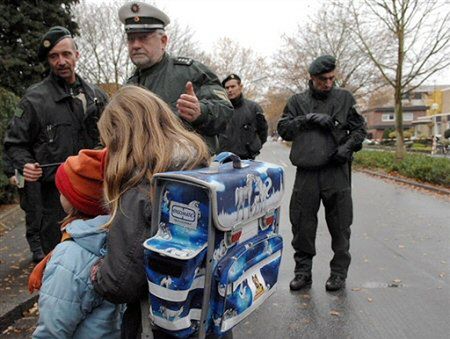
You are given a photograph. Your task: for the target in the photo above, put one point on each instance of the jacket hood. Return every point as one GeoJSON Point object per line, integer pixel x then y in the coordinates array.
{"type": "Point", "coordinates": [90, 234]}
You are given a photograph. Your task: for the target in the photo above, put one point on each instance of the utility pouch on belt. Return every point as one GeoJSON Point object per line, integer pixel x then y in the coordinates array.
{"type": "Point", "coordinates": [216, 253]}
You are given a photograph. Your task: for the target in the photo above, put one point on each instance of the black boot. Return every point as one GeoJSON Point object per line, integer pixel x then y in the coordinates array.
{"type": "Point", "coordinates": [335, 283]}
{"type": "Point", "coordinates": [300, 281]}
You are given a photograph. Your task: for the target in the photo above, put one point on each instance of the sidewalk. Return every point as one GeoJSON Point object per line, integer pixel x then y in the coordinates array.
{"type": "Point", "coordinates": [15, 266]}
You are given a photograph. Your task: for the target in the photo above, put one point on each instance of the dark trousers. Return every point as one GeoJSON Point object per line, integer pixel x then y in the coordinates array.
{"type": "Point", "coordinates": [331, 185]}
{"type": "Point", "coordinates": [53, 214]}
{"type": "Point", "coordinates": [31, 204]}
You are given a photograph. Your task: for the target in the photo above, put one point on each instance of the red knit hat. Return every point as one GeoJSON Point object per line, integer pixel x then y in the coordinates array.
{"type": "Point", "coordinates": [80, 180]}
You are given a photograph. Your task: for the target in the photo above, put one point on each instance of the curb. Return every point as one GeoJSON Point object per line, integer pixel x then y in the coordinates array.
{"type": "Point", "coordinates": [440, 190]}
{"type": "Point", "coordinates": [16, 313]}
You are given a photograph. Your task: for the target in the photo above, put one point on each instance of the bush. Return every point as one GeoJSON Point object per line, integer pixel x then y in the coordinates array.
{"type": "Point", "coordinates": [8, 105]}
{"type": "Point", "coordinates": [420, 147]}
{"type": "Point", "coordinates": [416, 166]}
{"type": "Point", "coordinates": [386, 133]}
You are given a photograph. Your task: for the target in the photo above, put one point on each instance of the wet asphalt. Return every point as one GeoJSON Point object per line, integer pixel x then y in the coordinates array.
{"type": "Point", "coordinates": [398, 283]}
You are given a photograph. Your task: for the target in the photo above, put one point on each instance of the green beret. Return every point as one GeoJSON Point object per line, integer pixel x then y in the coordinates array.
{"type": "Point", "coordinates": [230, 77]}
{"type": "Point", "coordinates": [50, 39]}
{"type": "Point", "coordinates": [323, 64]}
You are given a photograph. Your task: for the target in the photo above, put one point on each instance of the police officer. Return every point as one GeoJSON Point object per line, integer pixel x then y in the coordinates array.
{"type": "Point", "coordinates": [193, 92]}
{"type": "Point", "coordinates": [247, 130]}
{"type": "Point", "coordinates": [54, 119]}
{"type": "Point", "coordinates": [326, 129]}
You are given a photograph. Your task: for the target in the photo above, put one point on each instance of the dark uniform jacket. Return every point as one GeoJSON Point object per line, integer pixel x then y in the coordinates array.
{"type": "Point", "coordinates": [247, 130]}
{"type": "Point", "coordinates": [312, 146]}
{"type": "Point", "coordinates": [168, 80]}
{"type": "Point", "coordinates": [49, 126]}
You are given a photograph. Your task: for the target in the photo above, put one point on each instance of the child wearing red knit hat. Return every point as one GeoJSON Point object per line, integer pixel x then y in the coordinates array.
{"type": "Point", "coordinates": [68, 305]}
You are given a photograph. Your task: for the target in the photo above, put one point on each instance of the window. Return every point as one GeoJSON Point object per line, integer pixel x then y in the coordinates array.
{"type": "Point", "coordinates": [388, 117]}
{"type": "Point", "coordinates": [417, 96]}
{"type": "Point", "coordinates": [408, 116]}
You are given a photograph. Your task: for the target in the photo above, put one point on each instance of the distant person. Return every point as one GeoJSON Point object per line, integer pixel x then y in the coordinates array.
{"type": "Point", "coordinates": [54, 119]}
{"type": "Point", "coordinates": [247, 130]}
{"type": "Point", "coordinates": [326, 129]}
{"type": "Point", "coordinates": [192, 91]}
{"type": "Point", "coordinates": [68, 305]}
{"type": "Point", "coordinates": [143, 137]}
{"type": "Point", "coordinates": [31, 204]}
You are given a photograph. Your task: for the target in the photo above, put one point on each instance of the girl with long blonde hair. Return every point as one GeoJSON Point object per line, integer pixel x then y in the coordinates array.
{"type": "Point", "coordinates": [143, 137]}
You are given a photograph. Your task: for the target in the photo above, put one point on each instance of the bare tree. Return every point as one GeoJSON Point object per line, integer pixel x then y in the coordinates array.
{"type": "Point", "coordinates": [181, 41]}
{"type": "Point", "coordinates": [273, 106]}
{"type": "Point", "coordinates": [102, 44]}
{"type": "Point", "coordinates": [327, 32]}
{"type": "Point", "coordinates": [230, 57]}
{"type": "Point", "coordinates": [418, 30]}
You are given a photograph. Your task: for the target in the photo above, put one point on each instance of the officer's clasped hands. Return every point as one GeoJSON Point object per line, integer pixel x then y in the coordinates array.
{"type": "Point", "coordinates": [320, 119]}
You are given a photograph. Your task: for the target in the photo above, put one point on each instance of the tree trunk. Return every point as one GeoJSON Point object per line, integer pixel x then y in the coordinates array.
{"type": "Point", "coordinates": [400, 147]}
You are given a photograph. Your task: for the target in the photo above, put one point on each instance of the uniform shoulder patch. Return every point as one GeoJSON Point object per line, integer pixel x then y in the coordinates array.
{"type": "Point", "coordinates": [18, 112]}
{"type": "Point", "coordinates": [221, 94]}
{"type": "Point", "coordinates": [183, 61]}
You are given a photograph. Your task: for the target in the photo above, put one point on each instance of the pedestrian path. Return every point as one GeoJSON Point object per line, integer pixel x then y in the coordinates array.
{"type": "Point", "coordinates": [15, 267]}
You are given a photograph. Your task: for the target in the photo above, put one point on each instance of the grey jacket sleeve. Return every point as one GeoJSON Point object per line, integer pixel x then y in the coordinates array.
{"type": "Point", "coordinates": [121, 275]}
{"type": "Point", "coordinates": [215, 107]}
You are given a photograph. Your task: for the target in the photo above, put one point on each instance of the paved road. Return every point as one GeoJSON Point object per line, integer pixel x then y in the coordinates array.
{"type": "Point", "coordinates": [398, 284]}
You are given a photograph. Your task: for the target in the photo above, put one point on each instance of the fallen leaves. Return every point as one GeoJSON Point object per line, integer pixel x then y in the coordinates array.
{"type": "Point", "coordinates": [335, 313]}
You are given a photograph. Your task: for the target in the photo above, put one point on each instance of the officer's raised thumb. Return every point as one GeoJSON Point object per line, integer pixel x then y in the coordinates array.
{"type": "Point", "coordinates": [190, 88]}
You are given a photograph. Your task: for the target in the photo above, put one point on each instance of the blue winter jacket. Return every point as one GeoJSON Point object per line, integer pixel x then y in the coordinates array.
{"type": "Point", "coordinates": [68, 305]}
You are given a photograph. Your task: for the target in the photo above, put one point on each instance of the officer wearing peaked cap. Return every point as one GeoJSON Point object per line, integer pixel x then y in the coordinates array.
{"type": "Point", "coordinates": [54, 119]}
{"type": "Point", "coordinates": [326, 129]}
{"type": "Point", "coordinates": [191, 89]}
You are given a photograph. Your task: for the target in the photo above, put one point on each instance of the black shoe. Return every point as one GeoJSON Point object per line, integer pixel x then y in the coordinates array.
{"type": "Point", "coordinates": [38, 256]}
{"type": "Point", "coordinates": [300, 281]}
{"type": "Point", "coordinates": [335, 283]}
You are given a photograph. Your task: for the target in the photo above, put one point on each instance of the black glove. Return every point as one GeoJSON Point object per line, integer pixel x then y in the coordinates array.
{"type": "Point", "coordinates": [320, 119]}
{"type": "Point", "coordinates": [342, 155]}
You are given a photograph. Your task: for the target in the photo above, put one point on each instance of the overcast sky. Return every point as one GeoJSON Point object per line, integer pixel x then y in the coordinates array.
{"type": "Point", "coordinates": [253, 23]}
{"type": "Point", "coordinates": [257, 24]}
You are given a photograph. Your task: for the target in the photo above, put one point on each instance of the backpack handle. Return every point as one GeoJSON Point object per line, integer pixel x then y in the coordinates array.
{"type": "Point", "coordinates": [224, 157]}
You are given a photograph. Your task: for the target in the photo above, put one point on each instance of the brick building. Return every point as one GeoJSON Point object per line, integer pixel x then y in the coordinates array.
{"type": "Point", "coordinates": [381, 118]}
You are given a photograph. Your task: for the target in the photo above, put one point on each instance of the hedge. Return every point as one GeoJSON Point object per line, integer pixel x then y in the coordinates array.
{"type": "Point", "coordinates": [417, 166]}
{"type": "Point", "coordinates": [8, 105]}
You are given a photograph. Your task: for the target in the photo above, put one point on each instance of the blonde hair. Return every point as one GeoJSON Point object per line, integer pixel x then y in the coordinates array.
{"type": "Point", "coordinates": [144, 137]}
